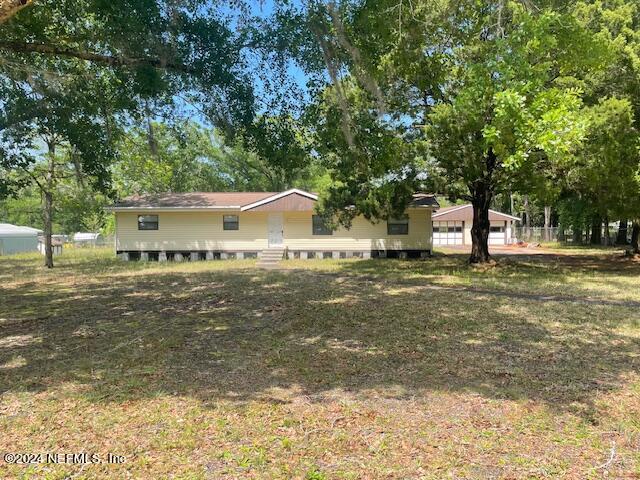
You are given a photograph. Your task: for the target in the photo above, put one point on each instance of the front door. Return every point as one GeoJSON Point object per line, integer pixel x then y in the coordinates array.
{"type": "Point", "coordinates": [275, 229]}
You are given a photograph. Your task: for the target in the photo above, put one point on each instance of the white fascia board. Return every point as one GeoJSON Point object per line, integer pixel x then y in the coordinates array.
{"type": "Point", "coordinates": [511, 217]}
{"type": "Point", "coordinates": [277, 196]}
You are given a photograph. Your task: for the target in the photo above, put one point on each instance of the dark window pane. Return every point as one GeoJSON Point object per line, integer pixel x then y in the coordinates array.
{"type": "Point", "coordinates": [319, 227]}
{"type": "Point", "coordinates": [497, 229]}
{"type": "Point", "coordinates": [147, 222]}
{"type": "Point", "coordinates": [230, 222]}
{"type": "Point", "coordinates": [398, 226]}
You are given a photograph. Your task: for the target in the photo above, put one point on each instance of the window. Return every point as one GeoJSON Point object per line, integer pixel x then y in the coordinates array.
{"type": "Point", "coordinates": [319, 227]}
{"type": "Point", "coordinates": [398, 226]}
{"type": "Point", "coordinates": [436, 229]}
{"type": "Point", "coordinates": [147, 222]}
{"type": "Point", "coordinates": [497, 229]}
{"type": "Point", "coordinates": [230, 222]}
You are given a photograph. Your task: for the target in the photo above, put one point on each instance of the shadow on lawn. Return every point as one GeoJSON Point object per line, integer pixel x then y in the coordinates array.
{"type": "Point", "coordinates": [249, 334]}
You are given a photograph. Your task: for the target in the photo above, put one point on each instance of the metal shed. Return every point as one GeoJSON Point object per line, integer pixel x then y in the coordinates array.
{"type": "Point", "coordinates": [16, 239]}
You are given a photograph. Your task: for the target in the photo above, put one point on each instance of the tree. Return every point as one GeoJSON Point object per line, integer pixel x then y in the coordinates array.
{"type": "Point", "coordinates": [617, 24]}
{"type": "Point", "coordinates": [603, 171]}
{"type": "Point", "coordinates": [488, 91]}
{"type": "Point", "coordinates": [74, 72]}
{"type": "Point", "coordinates": [8, 8]}
{"type": "Point", "coordinates": [187, 157]}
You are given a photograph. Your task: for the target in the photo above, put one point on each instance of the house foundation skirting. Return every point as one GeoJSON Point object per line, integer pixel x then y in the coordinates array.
{"type": "Point", "coordinates": [364, 254]}
{"type": "Point", "coordinates": [184, 255]}
{"type": "Point", "coordinates": [200, 255]}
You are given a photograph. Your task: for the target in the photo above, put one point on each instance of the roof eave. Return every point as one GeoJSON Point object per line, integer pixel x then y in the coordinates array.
{"type": "Point", "coordinates": [174, 209]}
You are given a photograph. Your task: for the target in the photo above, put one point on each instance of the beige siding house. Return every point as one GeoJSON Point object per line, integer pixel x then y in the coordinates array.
{"type": "Point", "coordinates": [248, 224]}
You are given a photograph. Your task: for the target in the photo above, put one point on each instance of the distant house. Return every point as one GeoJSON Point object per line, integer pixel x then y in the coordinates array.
{"type": "Point", "coordinates": [249, 224]}
{"type": "Point", "coordinates": [452, 226]}
{"type": "Point", "coordinates": [17, 239]}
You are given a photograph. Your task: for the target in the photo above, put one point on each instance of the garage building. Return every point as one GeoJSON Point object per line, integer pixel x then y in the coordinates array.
{"type": "Point", "coordinates": [452, 226]}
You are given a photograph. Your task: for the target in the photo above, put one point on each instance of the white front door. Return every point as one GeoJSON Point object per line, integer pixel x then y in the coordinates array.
{"type": "Point", "coordinates": [275, 229]}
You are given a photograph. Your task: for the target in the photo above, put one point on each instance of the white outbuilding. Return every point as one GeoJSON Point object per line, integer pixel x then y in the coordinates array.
{"type": "Point", "coordinates": [452, 226]}
{"type": "Point", "coordinates": [87, 238]}
{"type": "Point", "coordinates": [16, 239]}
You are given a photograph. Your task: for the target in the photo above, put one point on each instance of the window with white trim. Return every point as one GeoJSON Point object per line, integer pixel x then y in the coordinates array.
{"type": "Point", "coordinates": [230, 222]}
{"type": "Point", "coordinates": [148, 222]}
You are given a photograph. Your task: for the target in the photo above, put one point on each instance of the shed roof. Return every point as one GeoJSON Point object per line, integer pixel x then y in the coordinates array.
{"type": "Point", "coordinates": [9, 230]}
{"type": "Point", "coordinates": [465, 212]}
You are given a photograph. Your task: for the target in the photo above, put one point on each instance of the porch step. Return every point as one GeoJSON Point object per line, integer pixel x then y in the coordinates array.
{"type": "Point", "coordinates": [270, 258]}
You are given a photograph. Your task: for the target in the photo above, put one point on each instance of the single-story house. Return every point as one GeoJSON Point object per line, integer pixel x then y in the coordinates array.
{"type": "Point", "coordinates": [452, 226]}
{"type": "Point", "coordinates": [209, 225]}
{"type": "Point", "coordinates": [17, 239]}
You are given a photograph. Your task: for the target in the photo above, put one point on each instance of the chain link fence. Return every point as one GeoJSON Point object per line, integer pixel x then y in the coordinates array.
{"type": "Point", "coordinates": [554, 234]}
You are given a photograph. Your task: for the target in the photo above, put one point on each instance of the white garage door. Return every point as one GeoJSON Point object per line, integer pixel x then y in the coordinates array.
{"type": "Point", "coordinates": [448, 233]}
{"type": "Point", "coordinates": [497, 235]}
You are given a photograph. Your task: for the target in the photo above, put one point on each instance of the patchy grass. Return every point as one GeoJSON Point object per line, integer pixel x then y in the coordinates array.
{"type": "Point", "coordinates": [327, 369]}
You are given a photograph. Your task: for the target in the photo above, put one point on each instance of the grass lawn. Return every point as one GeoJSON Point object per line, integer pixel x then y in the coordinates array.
{"type": "Point", "coordinates": [325, 369]}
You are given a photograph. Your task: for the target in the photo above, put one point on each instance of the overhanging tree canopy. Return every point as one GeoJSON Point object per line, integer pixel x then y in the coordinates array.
{"type": "Point", "coordinates": [72, 72]}
{"type": "Point", "coordinates": [486, 91]}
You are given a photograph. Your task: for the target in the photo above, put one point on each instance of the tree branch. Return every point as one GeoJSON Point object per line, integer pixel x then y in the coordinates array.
{"type": "Point", "coordinates": [8, 8]}
{"type": "Point", "coordinates": [109, 60]}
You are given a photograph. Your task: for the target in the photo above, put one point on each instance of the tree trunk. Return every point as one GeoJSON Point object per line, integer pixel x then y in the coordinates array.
{"type": "Point", "coordinates": [635, 237]}
{"type": "Point", "coordinates": [481, 194]}
{"type": "Point", "coordinates": [480, 229]}
{"type": "Point", "coordinates": [48, 206]}
{"type": "Point", "coordinates": [547, 223]}
{"type": "Point", "coordinates": [596, 232]}
{"type": "Point", "coordinates": [607, 233]}
{"type": "Point", "coordinates": [48, 227]}
{"type": "Point", "coordinates": [527, 218]}
{"type": "Point", "coordinates": [577, 234]}
{"type": "Point", "coordinates": [621, 237]}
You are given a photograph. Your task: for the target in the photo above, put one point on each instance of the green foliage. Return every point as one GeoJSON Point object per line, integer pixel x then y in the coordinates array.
{"type": "Point", "coordinates": [469, 98]}
{"type": "Point", "coordinates": [373, 169]}
{"type": "Point", "coordinates": [186, 157]}
{"type": "Point", "coordinates": [604, 170]}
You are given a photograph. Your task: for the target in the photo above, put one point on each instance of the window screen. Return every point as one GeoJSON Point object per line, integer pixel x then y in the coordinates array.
{"type": "Point", "coordinates": [319, 227]}
{"type": "Point", "coordinates": [398, 226]}
{"type": "Point", "coordinates": [230, 222]}
{"type": "Point", "coordinates": [147, 222]}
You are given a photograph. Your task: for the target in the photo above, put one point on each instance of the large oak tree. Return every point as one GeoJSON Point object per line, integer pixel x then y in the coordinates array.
{"type": "Point", "coordinates": [485, 93]}
{"type": "Point", "coordinates": [73, 73]}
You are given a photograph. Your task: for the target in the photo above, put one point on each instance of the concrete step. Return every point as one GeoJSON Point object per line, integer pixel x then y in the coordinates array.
{"type": "Point", "coordinates": [270, 258]}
